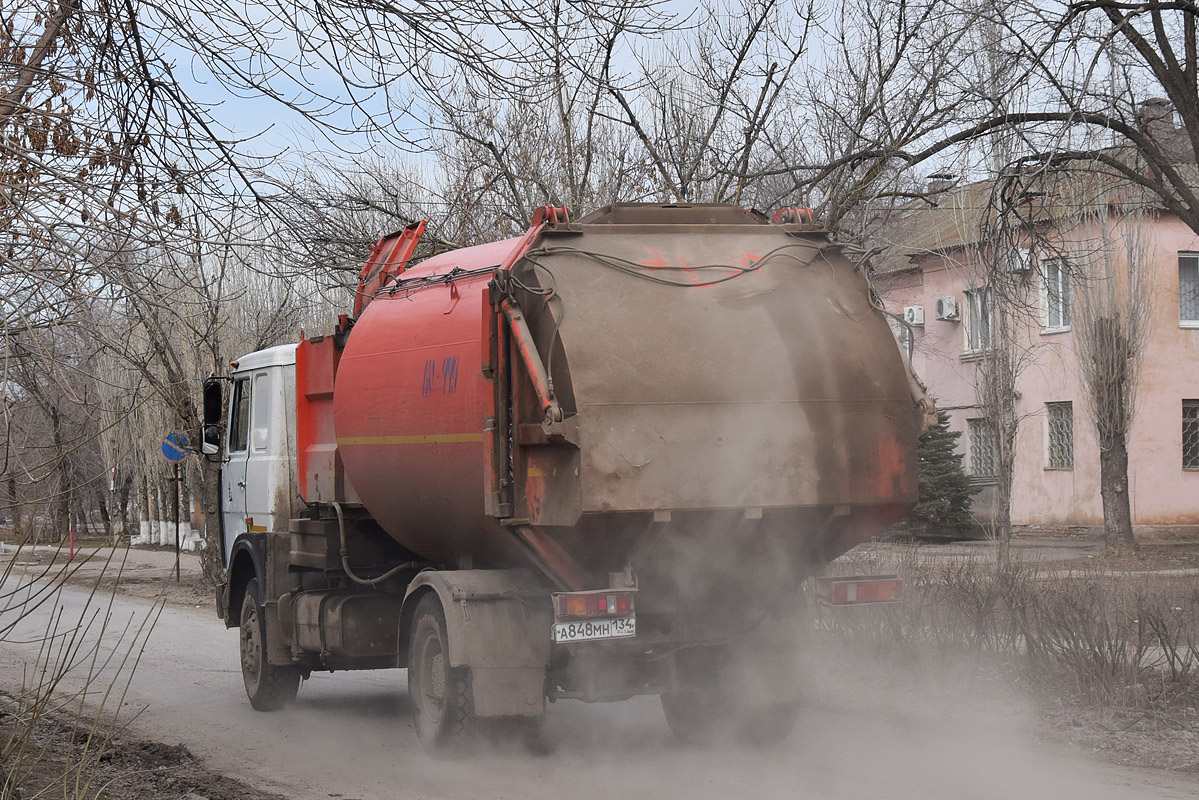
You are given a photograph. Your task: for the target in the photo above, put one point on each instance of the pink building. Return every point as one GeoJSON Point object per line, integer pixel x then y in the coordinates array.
{"type": "Point", "coordinates": [1067, 254]}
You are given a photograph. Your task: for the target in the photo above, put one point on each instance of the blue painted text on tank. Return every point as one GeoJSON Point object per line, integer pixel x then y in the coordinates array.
{"type": "Point", "coordinates": [426, 385]}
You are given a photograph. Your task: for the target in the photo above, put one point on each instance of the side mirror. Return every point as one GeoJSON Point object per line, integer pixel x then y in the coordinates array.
{"type": "Point", "coordinates": [210, 444]}
{"type": "Point", "coordinates": [212, 404]}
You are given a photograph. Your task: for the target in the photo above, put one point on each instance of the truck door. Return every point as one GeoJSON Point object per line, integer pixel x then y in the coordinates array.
{"type": "Point", "coordinates": [267, 469]}
{"type": "Point", "coordinates": [233, 476]}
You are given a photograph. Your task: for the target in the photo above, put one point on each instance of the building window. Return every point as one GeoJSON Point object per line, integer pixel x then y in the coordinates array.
{"type": "Point", "coordinates": [1188, 289]}
{"type": "Point", "coordinates": [1057, 294]}
{"type": "Point", "coordinates": [978, 320]}
{"type": "Point", "coordinates": [1059, 435]}
{"type": "Point", "coordinates": [1190, 434]}
{"type": "Point", "coordinates": [981, 436]}
{"type": "Point", "coordinates": [1019, 260]}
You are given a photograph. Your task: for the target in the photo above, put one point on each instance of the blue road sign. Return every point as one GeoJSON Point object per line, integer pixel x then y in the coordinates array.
{"type": "Point", "coordinates": [175, 447]}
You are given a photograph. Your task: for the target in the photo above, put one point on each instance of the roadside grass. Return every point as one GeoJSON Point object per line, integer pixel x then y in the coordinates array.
{"type": "Point", "coordinates": [79, 677]}
{"type": "Point", "coordinates": [1113, 638]}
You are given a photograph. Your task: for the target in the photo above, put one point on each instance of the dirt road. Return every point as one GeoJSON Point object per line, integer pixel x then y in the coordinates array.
{"type": "Point", "coordinates": [350, 736]}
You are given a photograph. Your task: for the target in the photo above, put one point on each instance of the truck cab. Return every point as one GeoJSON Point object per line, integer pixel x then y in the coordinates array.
{"type": "Point", "coordinates": [258, 483]}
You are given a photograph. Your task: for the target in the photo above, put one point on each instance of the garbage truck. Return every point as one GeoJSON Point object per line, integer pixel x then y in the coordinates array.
{"type": "Point", "coordinates": [595, 461]}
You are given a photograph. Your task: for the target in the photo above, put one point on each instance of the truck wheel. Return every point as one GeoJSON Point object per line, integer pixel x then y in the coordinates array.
{"type": "Point", "coordinates": [443, 707]}
{"type": "Point", "coordinates": [706, 718]}
{"type": "Point", "coordinates": [726, 700]}
{"type": "Point", "coordinates": [697, 718]}
{"type": "Point", "coordinates": [268, 686]}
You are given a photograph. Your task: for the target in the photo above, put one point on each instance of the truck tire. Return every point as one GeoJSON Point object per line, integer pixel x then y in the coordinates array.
{"type": "Point", "coordinates": [719, 704]}
{"type": "Point", "coordinates": [443, 707]}
{"type": "Point", "coordinates": [269, 687]}
{"type": "Point", "coordinates": [696, 719]}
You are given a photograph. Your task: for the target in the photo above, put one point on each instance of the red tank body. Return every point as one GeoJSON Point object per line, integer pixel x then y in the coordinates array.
{"type": "Point", "coordinates": [719, 404]}
{"type": "Point", "coordinates": [409, 411]}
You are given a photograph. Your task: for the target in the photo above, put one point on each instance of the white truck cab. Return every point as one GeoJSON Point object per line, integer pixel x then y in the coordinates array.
{"type": "Point", "coordinates": [258, 480]}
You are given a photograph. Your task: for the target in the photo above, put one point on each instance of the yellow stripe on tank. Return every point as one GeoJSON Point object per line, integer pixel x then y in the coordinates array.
{"type": "Point", "coordinates": [420, 438]}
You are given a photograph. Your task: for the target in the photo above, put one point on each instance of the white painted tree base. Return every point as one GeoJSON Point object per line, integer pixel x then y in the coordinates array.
{"type": "Point", "coordinates": [163, 533]}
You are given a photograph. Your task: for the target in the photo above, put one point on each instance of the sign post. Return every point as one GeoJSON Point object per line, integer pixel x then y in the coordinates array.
{"type": "Point", "coordinates": [175, 449]}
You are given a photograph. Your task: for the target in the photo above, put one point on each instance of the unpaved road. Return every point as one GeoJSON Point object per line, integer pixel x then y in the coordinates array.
{"type": "Point", "coordinates": [350, 736]}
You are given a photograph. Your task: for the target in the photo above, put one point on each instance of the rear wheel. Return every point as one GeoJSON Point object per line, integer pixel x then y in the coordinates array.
{"type": "Point", "coordinates": [724, 698]}
{"type": "Point", "coordinates": [443, 709]}
{"type": "Point", "coordinates": [269, 686]}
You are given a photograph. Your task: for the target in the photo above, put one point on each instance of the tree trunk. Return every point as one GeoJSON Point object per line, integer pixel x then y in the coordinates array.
{"type": "Point", "coordinates": [105, 517]}
{"type": "Point", "coordinates": [150, 519]}
{"type": "Point", "coordinates": [14, 503]}
{"type": "Point", "coordinates": [123, 503]}
{"type": "Point", "coordinates": [1113, 483]}
{"type": "Point", "coordinates": [162, 501]}
{"type": "Point", "coordinates": [60, 517]}
{"type": "Point", "coordinates": [195, 490]}
{"type": "Point", "coordinates": [80, 517]}
{"type": "Point", "coordinates": [212, 559]}
{"type": "Point", "coordinates": [1003, 519]}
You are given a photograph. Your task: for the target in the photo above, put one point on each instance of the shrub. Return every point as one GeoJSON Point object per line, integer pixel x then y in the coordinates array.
{"type": "Point", "coordinates": [945, 490]}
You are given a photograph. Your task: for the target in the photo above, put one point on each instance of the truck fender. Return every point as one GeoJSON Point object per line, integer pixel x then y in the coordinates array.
{"type": "Point", "coordinates": [247, 560]}
{"type": "Point", "coordinates": [498, 623]}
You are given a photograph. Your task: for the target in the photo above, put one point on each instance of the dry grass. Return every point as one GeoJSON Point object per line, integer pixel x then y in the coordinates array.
{"type": "Point", "coordinates": [1120, 639]}
{"type": "Point", "coordinates": [85, 658]}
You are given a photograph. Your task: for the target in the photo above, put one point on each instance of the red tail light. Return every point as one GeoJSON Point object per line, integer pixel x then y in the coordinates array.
{"type": "Point", "coordinates": [585, 605]}
{"type": "Point", "coordinates": [859, 589]}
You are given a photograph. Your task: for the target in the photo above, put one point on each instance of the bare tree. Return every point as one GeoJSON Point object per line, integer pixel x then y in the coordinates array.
{"type": "Point", "coordinates": [1111, 319]}
{"type": "Point", "coordinates": [1102, 85]}
{"type": "Point", "coordinates": [1000, 368]}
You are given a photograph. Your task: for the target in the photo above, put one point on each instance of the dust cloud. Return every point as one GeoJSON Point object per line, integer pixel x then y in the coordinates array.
{"type": "Point", "coordinates": [866, 731]}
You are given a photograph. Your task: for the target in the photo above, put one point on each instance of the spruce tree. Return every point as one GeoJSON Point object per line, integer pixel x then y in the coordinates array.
{"type": "Point", "coordinates": [945, 490]}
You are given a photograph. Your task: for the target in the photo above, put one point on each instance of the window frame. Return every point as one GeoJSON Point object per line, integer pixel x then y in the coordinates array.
{"type": "Point", "coordinates": [978, 304]}
{"type": "Point", "coordinates": [260, 411]}
{"type": "Point", "coordinates": [973, 425]}
{"type": "Point", "coordinates": [1064, 294]}
{"type": "Point", "coordinates": [1193, 258]}
{"type": "Point", "coordinates": [1019, 259]}
{"type": "Point", "coordinates": [1192, 404]}
{"type": "Point", "coordinates": [1063, 464]}
{"type": "Point", "coordinates": [239, 416]}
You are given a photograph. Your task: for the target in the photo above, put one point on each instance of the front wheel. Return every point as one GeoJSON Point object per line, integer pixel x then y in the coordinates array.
{"type": "Point", "coordinates": [269, 686]}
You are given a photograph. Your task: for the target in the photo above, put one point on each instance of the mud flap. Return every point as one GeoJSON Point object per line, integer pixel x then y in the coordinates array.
{"type": "Point", "coordinates": [498, 623]}
{"type": "Point", "coordinates": [277, 651]}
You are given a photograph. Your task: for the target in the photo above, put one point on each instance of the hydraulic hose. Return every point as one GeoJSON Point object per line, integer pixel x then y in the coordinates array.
{"type": "Point", "coordinates": [345, 556]}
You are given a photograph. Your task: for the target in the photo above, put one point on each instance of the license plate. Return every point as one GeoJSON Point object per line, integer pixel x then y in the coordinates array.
{"type": "Point", "coordinates": [587, 630]}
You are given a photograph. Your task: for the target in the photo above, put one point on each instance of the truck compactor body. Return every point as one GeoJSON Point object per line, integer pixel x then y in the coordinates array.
{"type": "Point", "coordinates": [591, 462]}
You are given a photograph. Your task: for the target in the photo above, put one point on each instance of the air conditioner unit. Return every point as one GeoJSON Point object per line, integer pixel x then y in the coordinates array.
{"type": "Point", "coordinates": [913, 315]}
{"type": "Point", "coordinates": [947, 307]}
{"type": "Point", "coordinates": [1019, 260]}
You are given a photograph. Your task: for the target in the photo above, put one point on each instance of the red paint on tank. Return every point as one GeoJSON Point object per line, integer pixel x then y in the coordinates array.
{"type": "Point", "coordinates": [409, 408]}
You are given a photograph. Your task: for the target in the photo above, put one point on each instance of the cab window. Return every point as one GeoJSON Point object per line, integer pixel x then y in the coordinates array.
{"type": "Point", "coordinates": [262, 411]}
{"type": "Point", "coordinates": [239, 415]}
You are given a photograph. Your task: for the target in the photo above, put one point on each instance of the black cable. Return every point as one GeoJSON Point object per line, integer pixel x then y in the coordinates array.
{"type": "Point", "coordinates": [423, 281]}
{"type": "Point", "coordinates": [646, 272]}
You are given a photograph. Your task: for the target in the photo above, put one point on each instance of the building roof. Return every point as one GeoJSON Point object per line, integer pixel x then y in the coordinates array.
{"type": "Point", "coordinates": [968, 215]}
